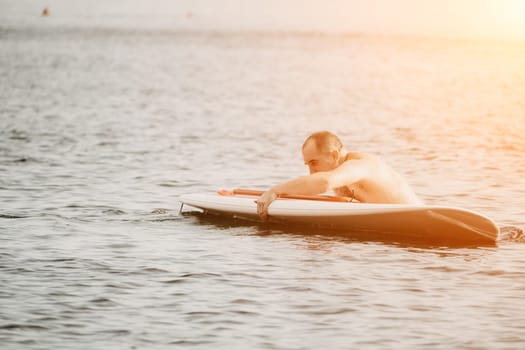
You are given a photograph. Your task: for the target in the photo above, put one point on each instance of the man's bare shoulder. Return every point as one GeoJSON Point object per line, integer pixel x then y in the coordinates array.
{"type": "Point", "coordinates": [363, 160]}
{"type": "Point", "coordinates": [360, 156]}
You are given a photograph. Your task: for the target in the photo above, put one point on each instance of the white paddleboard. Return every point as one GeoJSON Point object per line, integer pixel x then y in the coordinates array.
{"type": "Point", "coordinates": [446, 224]}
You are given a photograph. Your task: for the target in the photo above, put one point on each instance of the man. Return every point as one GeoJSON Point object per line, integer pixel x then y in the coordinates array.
{"type": "Point", "coordinates": [365, 177]}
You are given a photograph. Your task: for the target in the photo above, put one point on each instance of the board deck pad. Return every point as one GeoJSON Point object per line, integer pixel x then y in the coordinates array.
{"type": "Point", "coordinates": [437, 223]}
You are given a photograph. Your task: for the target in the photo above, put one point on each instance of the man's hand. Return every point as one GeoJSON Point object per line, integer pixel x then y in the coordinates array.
{"type": "Point", "coordinates": [264, 202]}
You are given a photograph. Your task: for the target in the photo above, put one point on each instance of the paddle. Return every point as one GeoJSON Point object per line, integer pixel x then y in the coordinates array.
{"type": "Point", "coordinates": [248, 192]}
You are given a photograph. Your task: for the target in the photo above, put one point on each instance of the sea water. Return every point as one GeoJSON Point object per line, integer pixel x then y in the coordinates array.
{"type": "Point", "coordinates": [102, 128]}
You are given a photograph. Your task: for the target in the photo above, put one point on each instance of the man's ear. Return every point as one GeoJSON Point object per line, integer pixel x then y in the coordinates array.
{"type": "Point", "coordinates": [335, 155]}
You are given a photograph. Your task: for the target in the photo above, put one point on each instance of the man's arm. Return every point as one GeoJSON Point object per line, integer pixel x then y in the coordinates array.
{"type": "Point", "coordinates": [347, 173]}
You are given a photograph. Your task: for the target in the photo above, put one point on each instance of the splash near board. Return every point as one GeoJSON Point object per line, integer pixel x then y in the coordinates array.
{"type": "Point", "coordinates": [343, 214]}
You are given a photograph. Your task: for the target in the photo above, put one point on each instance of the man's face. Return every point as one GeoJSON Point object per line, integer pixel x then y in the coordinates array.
{"type": "Point", "coordinates": [317, 160]}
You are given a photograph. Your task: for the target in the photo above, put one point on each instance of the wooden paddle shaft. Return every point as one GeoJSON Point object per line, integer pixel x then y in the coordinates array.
{"type": "Point", "coordinates": [249, 192]}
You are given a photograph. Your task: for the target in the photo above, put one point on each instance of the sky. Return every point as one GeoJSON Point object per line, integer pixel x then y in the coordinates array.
{"type": "Point", "coordinates": [443, 18]}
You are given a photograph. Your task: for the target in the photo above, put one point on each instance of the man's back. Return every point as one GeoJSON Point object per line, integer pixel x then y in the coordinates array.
{"type": "Point", "coordinates": [380, 185]}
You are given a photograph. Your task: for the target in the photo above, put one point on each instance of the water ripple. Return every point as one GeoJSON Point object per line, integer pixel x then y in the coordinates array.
{"type": "Point", "coordinates": [93, 249]}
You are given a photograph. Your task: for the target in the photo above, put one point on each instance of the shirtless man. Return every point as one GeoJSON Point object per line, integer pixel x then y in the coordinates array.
{"type": "Point", "coordinates": [365, 177]}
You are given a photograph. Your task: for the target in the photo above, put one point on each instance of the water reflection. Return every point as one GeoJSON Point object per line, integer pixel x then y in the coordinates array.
{"type": "Point", "coordinates": [321, 237]}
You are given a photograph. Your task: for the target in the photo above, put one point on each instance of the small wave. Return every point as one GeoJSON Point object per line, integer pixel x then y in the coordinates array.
{"type": "Point", "coordinates": [200, 275]}
{"type": "Point", "coordinates": [16, 326]}
{"type": "Point", "coordinates": [189, 277]}
{"type": "Point", "coordinates": [121, 245]}
{"type": "Point", "coordinates": [116, 332]}
{"type": "Point", "coordinates": [203, 313]}
{"type": "Point", "coordinates": [173, 183]}
{"type": "Point", "coordinates": [188, 342]}
{"type": "Point", "coordinates": [162, 214]}
{"type": "Point", "coordinates": [154, 270]}
{"type": "Point", "coordinates": [174, 281]}
{"type": "Point", "coordinates": [512, 234]}
{"type": "Point", "coordinates": [61, 259]}
{"type": "Point", "coordinates": [243, 301]}
{"type": "Point", "coordinates": [18, 135]}
{"type": "Point", "coordinates": [443, 269]}
{"type": "Point", "coordinates": [171, 218]}
{"type": "Point", "coordinates": [113, 212]}
{"type": "Point", "coordinates": [245, 312]}
{"type": "Point", "coordinates": [159, 211]}
{"type": "Point", "coordinates": [504, 273]}
{"type": "Point", "coordinates": [107, 143]}
{"type": "Point", "coordinates": [101, 301]}
{"type": "Point", "coordinates": [21, 159]}
{"type": "Point", "coordinates": [8, 216]}
{"type": "Point", "coordinates": [329, 311]}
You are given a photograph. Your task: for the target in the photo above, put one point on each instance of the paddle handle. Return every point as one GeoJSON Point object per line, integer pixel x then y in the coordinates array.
{"type": "Point", "coordinates": [249, 192]}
